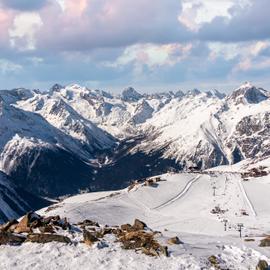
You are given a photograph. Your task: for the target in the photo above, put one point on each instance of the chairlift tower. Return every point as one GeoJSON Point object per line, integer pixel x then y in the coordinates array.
{"type": "Point", "coordinates": [240, 227]}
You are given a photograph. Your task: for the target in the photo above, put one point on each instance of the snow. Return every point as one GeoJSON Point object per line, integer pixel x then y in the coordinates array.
{"type": "Point", "coordinates": [180, 206]}
{"type": "Point", "coordinates": [191, 126]}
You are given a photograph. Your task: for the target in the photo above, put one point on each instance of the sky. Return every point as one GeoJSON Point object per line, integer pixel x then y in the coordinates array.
{"type": "Point", "coordinates": [152, 45]}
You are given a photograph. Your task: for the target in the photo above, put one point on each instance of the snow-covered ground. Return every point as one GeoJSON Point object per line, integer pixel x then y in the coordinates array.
{"type": "Point", "coordinates": [180, 205]}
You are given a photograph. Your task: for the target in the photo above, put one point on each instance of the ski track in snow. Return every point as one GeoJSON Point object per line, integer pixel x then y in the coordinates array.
{"type": "Point", "coordinates": [178, 196]}
{"type": "Point", "coordinates": [251, 206]}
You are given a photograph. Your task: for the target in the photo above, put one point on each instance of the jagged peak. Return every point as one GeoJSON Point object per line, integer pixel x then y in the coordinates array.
{"type": "Point", "coordinates": [130, 94]}
{"type": "Point", "coordinates": [248, 93]}
{"type": "Point", "coordinates": [56, 87]}
{"type": "Point", "coordinates": [246, 85]}
{"type": "Point", "coordinates": [103, 93]}
{"type": "Point", "coordinates": [179, 94]}
{"type": "Point", "coordinates": [215, 93]}
{"type": "Point", "coordinates": [193, 92]}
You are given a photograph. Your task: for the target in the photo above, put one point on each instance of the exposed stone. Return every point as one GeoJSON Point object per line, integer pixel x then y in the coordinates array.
{"type": "Point", "coordinates": [64, 224]}
{"type": "Point", "coordinates": [149, 252]}
{"type": "Point", "coordinates": [144, 241]}
{"type": "Point", "coordinates": [262, 265]}
{"type": "Point", "coordinates": [139, 225]}
{"type": "Point", "coordinates": [174, 241]}
{"type": "Point", "coordinates": [50, 219]}
{"type": "Point", "coordinates": [6, 227]}
{"type": "Point", "coordinates": [89, 238]}
{"type": "Point", "coordinates": [126, 227]}
{"type": "Point", "coordinates": [30, 220]}
{"type": "Point", "coordinates": [46, 238]}
{"type": "Point", "coordinates": [88, 222]}
{"type": "Point", "coordinates": [9, 238]}
{"type": "Point", "coordinates": [265, 242]}
{"type": "Point", "coordinates": [23, 226]}
{"type": "Point", "coordinates": [250, 240]}
{"type": "Point", "coordinates": [47, 229]}
{"type": "Point", "coordinates": [214, 261]}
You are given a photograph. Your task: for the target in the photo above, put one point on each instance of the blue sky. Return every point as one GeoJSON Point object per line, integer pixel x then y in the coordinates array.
{"type": "Point", "coordinates": [153, 45]}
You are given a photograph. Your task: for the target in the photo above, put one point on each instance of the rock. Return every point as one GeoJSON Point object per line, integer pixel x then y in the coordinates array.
{"type": "Point", "coordinates": [139, 225]}
{"type": "Point", "coordinates": [50, 219]}
{"type": "Point", "coordinates": [89, 238]}
{"type": "Point", "coordinates": [9, 225]}
{"type": "Point", "coordinates": [30, 220]}
{"type": "Point", "coordinates": [23, 226]}
{"type": "Point", "coordinates": [149, 252]}
{"type": "Point", "coordinates": [174, 241]}
{"type": "Point", "coordinates": [47, 229]}
{"type": "Point", "coordinates": [265, 242]}
{"type": "Point", "coordinates": [46, 238]}
{"type": "Point", "coordinates": [35, 224]}
{"type": "Point", "coordinates": [64, 224]}
{"type": "Point", "coordinates": [10, 238]}
{"type": "Point", "coordinates": [88, 222]}
{"type": "Point", "coordinates": [144, 241]}
{"type": "Point", "coordinates": [107, 231]}
{"type": "Point", "coordinates": [150, 183]}
{"type": "Point", "coordinates": [262, 265]}
{"type": "Point", "coordinates": [214, 261]}
{"type": "Point", "coordinates": [126, 227]}
{"type": "Point", "coordinates": [249, 240]}
{"type": "Point", "coordinates": [164, 250]}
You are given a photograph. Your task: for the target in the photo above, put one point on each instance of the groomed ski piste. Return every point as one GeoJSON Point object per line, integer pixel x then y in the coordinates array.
{"type": "Point", "coordinates": [193, 206]}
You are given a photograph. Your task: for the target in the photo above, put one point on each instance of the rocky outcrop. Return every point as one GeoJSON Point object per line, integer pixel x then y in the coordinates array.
{"type": "Point", "coordinates": [47, 238]}
{"type": "Point", "coordinates": [262, 265]}
{"type": "Point", "coordinates": [265, 242]}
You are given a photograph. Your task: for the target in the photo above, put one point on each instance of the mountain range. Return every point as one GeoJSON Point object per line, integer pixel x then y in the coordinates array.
{"type": "Point", "coordinates": [72, 139]}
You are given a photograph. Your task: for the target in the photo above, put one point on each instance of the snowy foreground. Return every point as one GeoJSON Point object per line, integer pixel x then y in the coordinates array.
{"type": "Point", "coordinates": [180, 206]}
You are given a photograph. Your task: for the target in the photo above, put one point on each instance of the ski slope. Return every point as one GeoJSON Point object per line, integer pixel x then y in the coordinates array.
{"type": "Point", "coordinates": [179, 205]}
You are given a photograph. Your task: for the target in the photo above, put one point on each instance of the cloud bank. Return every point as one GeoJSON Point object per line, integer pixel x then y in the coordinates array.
{"type": "Point", "coordinates": [114, 43]}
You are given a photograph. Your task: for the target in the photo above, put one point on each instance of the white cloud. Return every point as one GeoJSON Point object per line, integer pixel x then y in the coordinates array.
{"type": "Point", "coordinates": [153, 55]}
{"type": "Point", "coordinates": [7, 66]}
{"type": "Point", "coordinates": [197, 12]}
{"type": "Point", "coordinates": [22, 34]}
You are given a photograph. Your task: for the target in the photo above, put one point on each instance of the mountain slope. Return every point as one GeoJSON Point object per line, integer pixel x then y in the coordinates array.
{"type": "Point", "coordinates": [15, 201]}
{"type": "Point", "coordinates": [42, 158]}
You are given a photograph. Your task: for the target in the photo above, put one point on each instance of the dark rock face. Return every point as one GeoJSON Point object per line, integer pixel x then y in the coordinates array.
{"type": "Point", "coordinates": [130, 94]}
{"type": "Point", "coordinates": [251, 136]}
{"type": "Point", "coordinates": [53, 172]}
{"type": "Point", "coordinates": [15, 200]}
{"type": "Point", "coordinates": [248, 94]}
{"type": "Point", "coordinates": [128, 166]}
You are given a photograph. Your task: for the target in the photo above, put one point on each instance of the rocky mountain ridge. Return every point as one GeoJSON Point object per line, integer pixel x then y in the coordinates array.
{"type": "Point", "coordinates": [73, 139]}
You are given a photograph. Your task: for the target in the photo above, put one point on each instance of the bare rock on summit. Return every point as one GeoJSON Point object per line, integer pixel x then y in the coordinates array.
{"type": "Point", "coordinates": [265, 242]}
{"type": "Point", "coordinates": [262, 265]}
{"type": "Point", "coordinates": [89, 238]}
{"type": "Point", "coordinates": [9, 226]}
{"type": "Point", "coordinates": [139, 225]}
{"type": "Point", "coordinates": [174, 241]}
{"type": "Point", "coordinates": [10, 238]}
{"type": "Point", "coordinates": [47, 238]}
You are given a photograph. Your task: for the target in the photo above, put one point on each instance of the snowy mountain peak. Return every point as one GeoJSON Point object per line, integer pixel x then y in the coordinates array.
{"type": "Point", "coordinates": [215, 93]}
{"type": "Point", "coordinates": [130, 94]}
{"type": "Point", "coordinates": [248, 94]}
{"type": "Point", "coordinates": [193, 92]}
{"type": "Point", "coordinates": [179, 94]}
{"type": "Point", "coordinates": [246, 85]}
{"type": "Point", "coordinates": [56, 88]}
